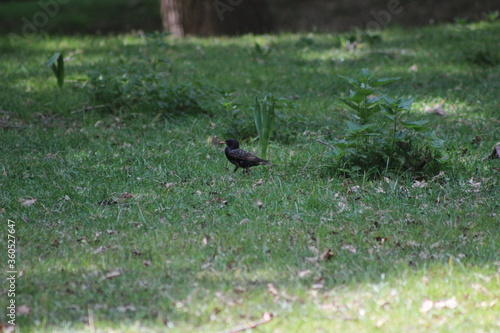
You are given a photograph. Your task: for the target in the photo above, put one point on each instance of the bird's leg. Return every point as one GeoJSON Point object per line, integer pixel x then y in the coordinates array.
{"type": "Point", "coordinates": [246, 171]}
{"type": "Point", "coordinates": [236, 168]}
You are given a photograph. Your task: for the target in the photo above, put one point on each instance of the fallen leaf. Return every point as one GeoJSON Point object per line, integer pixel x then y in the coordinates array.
{"type": "Point", "coordinates": [450, 303]}
{"type": "Point", "coordinates": [496, 151]}
{"type": "Point", "coordinates": [23, 310]}
{"type": "Point", "coordinates": [381, 240]}
{"type": "Point", "coordinates": [126, 308]}
{"type": "Point", "coordinates": [413, 68]}
{"type": "Point", "coordinates": [427, 305]}
{"type": "Point", "coordinates": [272, 290]}
{"type": "Point", "coordinates": [28, 202]}
{"type": "Point", "coordinates": [380, 322]}
{"type": "Point", "coordinates": [305, 273]}
{"type": "Point", "coordinates": [112, 274]}
{"type": "Point", "coordinates": [99, 250]}
{"type": "Point", "coordinates": [418, 184]}
{"type": "Point", "coordinates": [260, 182]}
{"type": "Point", "coordinates": [328, 254]}
{"type": "Point", "coordinates": [244, 221]}
{"type": "Point", "coordinates": [437, 109]}
{"type": "Point", "coordinates": [350, 248]}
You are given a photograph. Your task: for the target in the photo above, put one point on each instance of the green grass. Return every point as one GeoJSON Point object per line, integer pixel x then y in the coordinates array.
{"type": "Point", "coordinates": [139, 223]}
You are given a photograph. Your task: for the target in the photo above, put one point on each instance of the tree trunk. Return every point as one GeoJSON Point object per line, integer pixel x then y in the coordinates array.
{"type": "Point", "coordinates": [171, 18]}
{"type": "Point", "coordinates": [216, 17]}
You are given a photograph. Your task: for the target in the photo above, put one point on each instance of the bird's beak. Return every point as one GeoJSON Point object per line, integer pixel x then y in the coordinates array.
{"type": "Point", "coordinates": [222, 142]}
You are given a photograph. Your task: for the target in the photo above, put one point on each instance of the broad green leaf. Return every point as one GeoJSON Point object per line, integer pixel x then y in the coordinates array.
{"type": "Point", "coordinates": [350, 80]}
{"type": "Point", "coordinates": [357, 97]}
{"type": "Point", "coordinates": [437, 143]}
{"type": "Point", "coordinates": [53, 59]}
{"type": "Point", "coordinates": [56, 63]}
{"type": "Point", "coordinates": [351, 104]}
{"type": "Point", "coordinates": [406, 104]}
{"type": "Point", "coordinates": [358, 128]}
{"type": "Point", "coordinates": [365, 73]}
{"type": "Point", "coordinates": [384, 81]}
{"type": "Point", "coordinates": [416, 125]}
{"type": "Point", "coordinates": [258, 118]}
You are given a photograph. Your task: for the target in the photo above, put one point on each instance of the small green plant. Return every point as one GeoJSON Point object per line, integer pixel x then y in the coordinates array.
{"type": "Point", "coordinates": [378, 139]}
{"type": "Point", "coordinates": [264, 118]}
{"type": "Point", "coordinates": [57, 65]}
{"type": "Point", "coordinates": [146, 91]}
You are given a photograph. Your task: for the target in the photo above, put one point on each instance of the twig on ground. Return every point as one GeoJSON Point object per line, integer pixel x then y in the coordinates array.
{"type": "Point", "coordinates": [88, 108]}
{"type": "Point", "coordinates": [266, 317]}
{"type": "Point", "coordinates": [326, 144]}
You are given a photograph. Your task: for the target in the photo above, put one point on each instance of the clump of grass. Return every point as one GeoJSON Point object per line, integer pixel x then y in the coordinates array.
{"type": "Point", "coordinates": [56, 63]}
{"type": "Point", "coordinates": [264, 118]}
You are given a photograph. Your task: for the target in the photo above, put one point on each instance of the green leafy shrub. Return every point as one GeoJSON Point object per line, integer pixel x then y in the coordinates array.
{"type": "Point", "coordinates": [147, 92]}
{"type": "Point", "coordinates": [377, 139]}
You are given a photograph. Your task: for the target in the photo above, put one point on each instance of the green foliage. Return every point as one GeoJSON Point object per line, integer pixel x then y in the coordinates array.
{"type": "Point", "coordinates": [56, 63]}
{"type": "Point", "coordinates": [264, 118]}
{"type": "Point", "coordinates": [492, 16]}
{"type": "Point", "coordinates": [377, 139]}
{"type": "Point", "coordinates": [149, 92]}
{"type": "Point", "coordinates": [484, 58]}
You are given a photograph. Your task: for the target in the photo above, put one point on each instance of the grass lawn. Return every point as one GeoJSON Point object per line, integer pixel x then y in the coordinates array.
{"type": "Point", "coordinates": [127, 217]}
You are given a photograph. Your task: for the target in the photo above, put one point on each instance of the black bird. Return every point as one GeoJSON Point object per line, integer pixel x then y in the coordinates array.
{"type": "Point", "coordinates": [241, 158]}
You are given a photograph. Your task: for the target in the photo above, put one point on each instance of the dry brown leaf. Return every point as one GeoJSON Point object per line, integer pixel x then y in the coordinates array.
{"type": "Point", "coordinates": [305, 273]}
{"type": "Point", "coordinates": [244, 221]}
{"type": "Point", "coordinates": [317, 286]}
{"type": "Point", "coordinates": [126, 308]}
{"type": "Point", "coordinates": [99, 250]}
{"type": "Point", "coordinates": [436, 109]}
{"type": "Point", "coordinates": [112, 274]}
{"type": "Point", "coordinates": [23, 310]}
{"type": "Point", "coordinates": [427, 305]}
{"type": "Point", "coordinates": [496, 151]}
{"type": "Point", "coordinates": [450, 303]}
{"type": "Point", "coordinates": [260, 182]}
{"type": "Point", "coordinates": [28, 202]}
{"type": "Point", "coordinates": [380, 322]}
{"type": "Point", "coordinates": [328, 254]}
{"type": "Point", "coordinates": [272, 290]}
{"type": "Point", "coordinates": [413, 68]}
{"type": "Point", "coordinates": [350, 248]}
